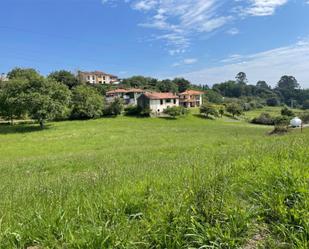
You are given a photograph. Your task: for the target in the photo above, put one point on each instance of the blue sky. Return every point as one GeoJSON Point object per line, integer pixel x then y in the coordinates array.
{"type": "Point", "coordinates": [206, 41]}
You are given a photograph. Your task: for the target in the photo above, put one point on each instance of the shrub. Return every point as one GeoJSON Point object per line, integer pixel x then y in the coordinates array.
{"type": "Point", "coordinates": [264, 119]}
{"type": "Point", "coordinates": [248, 106]}
{"type": "Point", "coordinates": [305, 117]}
{"type": "Point", "coordinates": [132, 110]}
{"type": "Point", "coordinates": [306, 104]}
{"type": "Point", "coordinates": [287, 112]}
{"type": "Point", "coordinates": [137, 111]}
{"type": "Point", "coordinates": [272, 102]}
{"type": "Point", "coordinates": [208, 109]}
{"type": "Point", "coordinates": [234, 109]}
{"type": "Point", "coordinates": [281, 125]}
{"type": "Point", "coordinates": [114, 108]}
{"type": "Point", "coordinates": [175, 111]}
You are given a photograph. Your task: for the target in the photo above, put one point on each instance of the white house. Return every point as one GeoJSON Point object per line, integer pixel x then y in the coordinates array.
{"type": "Point", "coordinates": [129, 96]}
{"type": "Point", "coordinates": [98, 77]}
{"type": "Point", "coordinates": [3, 77]}
{"type": "Point", "coordinates": [157, 102]}
{"type": "Point", "coordinates": [191, 98]}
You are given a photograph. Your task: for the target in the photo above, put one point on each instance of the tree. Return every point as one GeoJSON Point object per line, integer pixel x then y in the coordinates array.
{"type": "Point", "coordinates": [182, 84]}
{"type": "Point", "coordinates": [115, 108]}
{"type": "Point", "coordinates": [273, 101]}
{"type": "Point", "coordinates": [24, 73]}
{"type": "Point", "coordinates": [234, 109]}
{"type": "Point", "coordinates": [140, 82]}
{"type": "Point", "coordinates": [221, 111]}
{"type": "Point", "coordinates": [47, 99]}
{"type": "Point", "coordinates": [306, 104]}
{"type": "Point", "coordinates": [65, 77]}
{"type": "Point", "coordinates": [241, 78]}
{"type": "Point", "coordinates": [262, 84]}
{"type": "Point", "coordinates": [214, 97]}
{"type": "Point", "coordinates": [167, 86]}
{"type": "Point", "coordinates": [208, 109]}
{"type": "Point", "coordinates": [288, 82]}
{"type": "Point", "coordinates": [12, 99]}
{"type": "Point", "coordinates": [287, 89]}
{"type": "Point", "coordinates": [86, 103]}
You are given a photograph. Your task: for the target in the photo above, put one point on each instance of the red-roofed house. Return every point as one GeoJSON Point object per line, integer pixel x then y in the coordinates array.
{"type": "Point", "coordinates": [98, 77]}
{"type": "Point", "coordinates": [129, 96]}
{"type": "Point", "coordinates": [157, 102]}
{"type": "Point", "coordinates": [191, 98]}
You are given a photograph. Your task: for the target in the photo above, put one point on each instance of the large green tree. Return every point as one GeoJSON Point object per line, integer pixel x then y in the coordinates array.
{"type": "Point", "coordinates": [24, 73]}
{"type": "Point", "coordinates": [241, 78]}
{"type": "Point", "coordinates": [86, 103]}
{"type": "Point", "coordinates": [167, 86]}
{"type": "Point", "coordinates": [65, 77]}
{"type": "Point", "coordinates": [182, 84]}
{"type": "Point", "coordinates": [12, 99]}
{"type": "Point", "coordinates": [46, 100]}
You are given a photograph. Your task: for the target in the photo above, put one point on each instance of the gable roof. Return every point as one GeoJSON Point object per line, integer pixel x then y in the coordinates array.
{"type": "Point", "coordinates": [98, 73]}
{"type": "Point", "coordinates": [131, 90]}
{"type": "Point", "coordinates": [157, 95]}
{"type": "Point", "coordinates": [192, 92]}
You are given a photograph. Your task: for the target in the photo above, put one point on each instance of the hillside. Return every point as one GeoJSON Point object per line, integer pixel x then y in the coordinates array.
{"type": "Point", "coordinates": [153, 183]}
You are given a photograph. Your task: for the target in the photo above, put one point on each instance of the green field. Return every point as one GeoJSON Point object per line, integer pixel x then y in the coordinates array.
{"type": "Point", "coordinates": [153, 183]}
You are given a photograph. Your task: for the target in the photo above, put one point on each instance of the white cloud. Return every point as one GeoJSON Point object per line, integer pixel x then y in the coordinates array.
{"type": "Point", "coordinates": [268, 65]}
{"type": "Point", "coordinates": [233, 31]}
{"type": "Point", "coordinates": [180, 20]}
{"type": "Point", "coordinates": [187, 61]}
{"type": "Point", "coordinates": [264, 7]}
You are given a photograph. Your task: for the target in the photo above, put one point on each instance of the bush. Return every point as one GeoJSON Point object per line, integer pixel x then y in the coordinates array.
{"type": "Point", "coordinates": [264, 119]}
{"type": "Point", "coordinates": [132, 110]}
{"type": "Point", "coordinates": [175, 111]}
{"type": "Point", "coordinates": [234, 109]}
{"type": "Point", "coordinates": [287, 112]}
{"type": "Point", "coordinates": [137, 111]}
{"type": "Point", "coordinates": [208, 109]}
{"type": "Point", "coordinates": [114, 108]}
{"type": "Point", "coordinates": [305, 117]}
{"type": "Point", "coordinates": [272, 102]}
{"type": "Point", "coordinates": [281, 125]}
{"type": "Point", "coordinates": [306, 104]}
{"type": "Point", "coordinates": [248, 106]}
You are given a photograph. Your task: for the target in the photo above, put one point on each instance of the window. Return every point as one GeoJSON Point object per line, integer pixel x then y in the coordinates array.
{"type": "Point", "coordinates": [174, 101]}
{"type": "Point", "coordinates": [168, 101]}
{"type": "Point", "coordinates": [88, 77]}
{"type": "Point", "coordinates": [161, 102]}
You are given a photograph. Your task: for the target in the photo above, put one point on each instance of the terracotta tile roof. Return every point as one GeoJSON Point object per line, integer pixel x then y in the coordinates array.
{"type": "Point", "coordinates": [192, 92]}
{"type": "Point", "coordinates": [98, 73]}
{"type": "Point", "coordinates": [117, 91]}
{"type": "Point", "coordinates": [156, 95]}
{"type": "Point", "coordinates": [131, 90]}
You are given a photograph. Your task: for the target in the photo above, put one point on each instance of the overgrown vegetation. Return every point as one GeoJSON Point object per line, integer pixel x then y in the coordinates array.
{"type": "Point", "coordinates": [152, 183]}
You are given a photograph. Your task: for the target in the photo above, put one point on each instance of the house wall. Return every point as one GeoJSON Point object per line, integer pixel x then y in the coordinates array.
{"type": "Point", "coordinates": [157, 106]}
{"type": "Point", "coordinates": [96, 79]}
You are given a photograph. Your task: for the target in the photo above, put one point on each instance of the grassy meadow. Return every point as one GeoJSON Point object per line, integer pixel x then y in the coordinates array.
{"type": "Point", "coordinates": [153, 183]}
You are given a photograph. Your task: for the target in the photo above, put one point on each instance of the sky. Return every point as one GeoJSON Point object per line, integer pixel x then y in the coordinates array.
{"type": "Point", "coordinates": [206, 41]}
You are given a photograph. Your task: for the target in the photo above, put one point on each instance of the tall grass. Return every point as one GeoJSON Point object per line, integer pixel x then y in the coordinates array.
{"type": "Point", "coordinates": [152, 183]}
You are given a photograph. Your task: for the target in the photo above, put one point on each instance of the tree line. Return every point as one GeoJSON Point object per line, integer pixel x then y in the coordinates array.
{"type": "Point", "coordinates": [61, 95]}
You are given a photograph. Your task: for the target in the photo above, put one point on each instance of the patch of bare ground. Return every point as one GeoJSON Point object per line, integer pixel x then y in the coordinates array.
{"type": "Point", "coordinates": [257, 240]}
